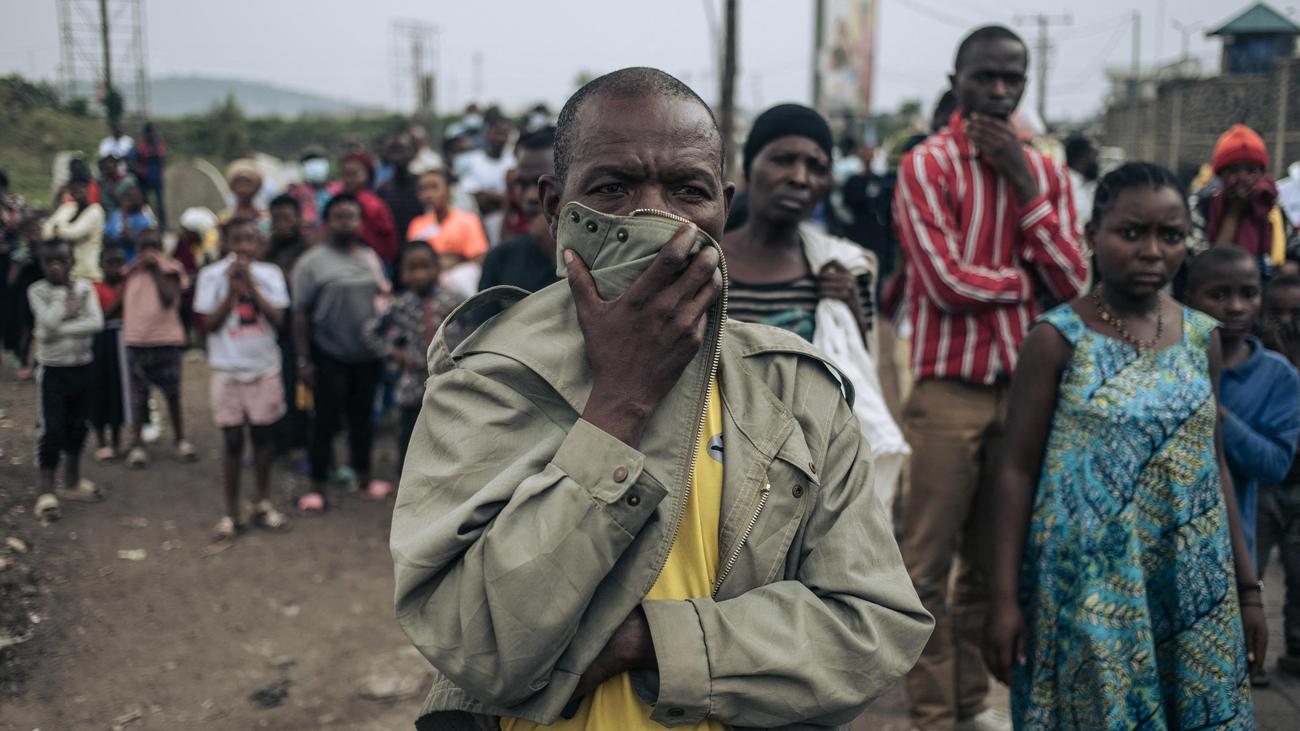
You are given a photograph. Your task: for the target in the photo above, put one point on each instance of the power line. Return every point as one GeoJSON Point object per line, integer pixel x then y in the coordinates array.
{"type": "Point", "coordinates": [939, 15]}
{"type": "Point", "coordinates": [1044, 47]}
{"type": "Point", "coordinates": [1092, 65]}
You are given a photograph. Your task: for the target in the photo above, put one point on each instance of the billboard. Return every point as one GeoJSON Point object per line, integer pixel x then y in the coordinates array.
{"type": "Point", "coordinates": [848, 55]}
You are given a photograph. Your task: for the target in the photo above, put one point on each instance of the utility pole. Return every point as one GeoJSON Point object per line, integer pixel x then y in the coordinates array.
{"type": "Point", "coordinates": [819, 39]}
{"type": "Point", "coordinates": [1135, 84]}
{"type": "Point", "coordinates": [727, 102]}
{"type": "Point", "coordinates": [1043, 47]}
{"type": "Point", "coordinates": [108, 56]}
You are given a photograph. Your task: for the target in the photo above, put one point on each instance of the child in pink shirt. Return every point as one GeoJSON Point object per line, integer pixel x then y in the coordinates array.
{"type": "Point", "coordinates": [154, 338]}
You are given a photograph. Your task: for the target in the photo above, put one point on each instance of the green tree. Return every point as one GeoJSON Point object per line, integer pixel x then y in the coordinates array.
{"type": "Point", "coordinates": [227, 129]}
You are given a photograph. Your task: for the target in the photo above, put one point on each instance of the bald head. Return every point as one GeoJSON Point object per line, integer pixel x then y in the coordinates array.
{"type": "Point", "coordinates": [637, 82]}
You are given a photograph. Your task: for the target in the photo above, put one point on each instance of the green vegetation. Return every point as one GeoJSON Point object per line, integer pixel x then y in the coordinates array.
{"type": "Point", "coordinates": [37, 125]}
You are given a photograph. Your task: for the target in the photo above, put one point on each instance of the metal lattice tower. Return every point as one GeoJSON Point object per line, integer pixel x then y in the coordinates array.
{"type": "Point", "coordinates": [415, 67]}
{"type": "Point", "coordinates": [103, 42]}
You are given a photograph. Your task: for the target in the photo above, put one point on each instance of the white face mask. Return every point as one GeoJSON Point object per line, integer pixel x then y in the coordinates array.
{"type": "Point", "coordinates": [315, 170]}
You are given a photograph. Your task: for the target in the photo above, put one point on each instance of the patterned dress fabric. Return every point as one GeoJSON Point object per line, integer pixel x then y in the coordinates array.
{"type": "Point", "coordinates": [1127, 583]}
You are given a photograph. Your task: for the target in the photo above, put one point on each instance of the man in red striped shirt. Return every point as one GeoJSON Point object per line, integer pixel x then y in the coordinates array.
{"type": "Point", "coordinates": [988, 231]}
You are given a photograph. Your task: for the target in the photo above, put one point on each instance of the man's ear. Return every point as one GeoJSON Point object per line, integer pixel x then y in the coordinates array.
{"type": "Point", "coordinates": [728, 194]}
{"type": "Point", "coordinates": [551, 191]}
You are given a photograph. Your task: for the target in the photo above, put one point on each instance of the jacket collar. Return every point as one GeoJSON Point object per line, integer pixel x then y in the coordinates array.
{"type": "Point", "coordinates": [956, 130]}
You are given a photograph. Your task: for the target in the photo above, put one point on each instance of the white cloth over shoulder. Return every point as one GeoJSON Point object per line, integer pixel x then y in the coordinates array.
{"type": "Point", "coordinates": [838, 336]}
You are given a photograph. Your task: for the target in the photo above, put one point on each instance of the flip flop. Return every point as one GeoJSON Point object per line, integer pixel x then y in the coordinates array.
{"type": "Point", "coordinates": [47, 508]}
{"type": "Point", "coordinates": [378, 490]}
{"type": "Point", "coordinates": [105, 454]}
{"type": "Point", "coordinates": [313, 503]}
{"type": "Point", "coordinates": [85, 492]}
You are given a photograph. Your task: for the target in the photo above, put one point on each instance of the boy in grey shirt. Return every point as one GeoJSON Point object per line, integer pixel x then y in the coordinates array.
{"type": "Point", "coordinates": [67, 316]}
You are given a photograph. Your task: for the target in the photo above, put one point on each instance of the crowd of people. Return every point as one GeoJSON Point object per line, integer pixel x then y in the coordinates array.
{"type": "Point", "coordinates": [1094, 463]}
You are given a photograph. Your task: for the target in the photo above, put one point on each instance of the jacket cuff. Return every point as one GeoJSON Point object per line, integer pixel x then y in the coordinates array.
{"type": "Point", "coordinates": [684, 681]}
{"type": "Point", "coordinates": [611, 472]}
{"type": "Point", "coordinates": [1035, 212]}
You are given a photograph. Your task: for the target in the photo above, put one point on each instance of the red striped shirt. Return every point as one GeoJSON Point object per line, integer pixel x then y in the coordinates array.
{"type": "Point", "coordinates": [978, 262]}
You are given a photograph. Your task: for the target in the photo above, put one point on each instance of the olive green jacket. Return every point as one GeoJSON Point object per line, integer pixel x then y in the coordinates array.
{"type": "Point", "coordinates": [523, 536]}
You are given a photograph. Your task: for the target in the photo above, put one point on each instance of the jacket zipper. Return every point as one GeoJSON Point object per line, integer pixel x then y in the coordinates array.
{"type": "Point", "coordinates": [721, 320]}
{"type": "Point", "coordinates": [735, 553]}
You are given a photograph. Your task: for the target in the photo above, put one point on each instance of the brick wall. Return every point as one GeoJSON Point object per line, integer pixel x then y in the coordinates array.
{"type": "Point", "coordinates": [1178, 128]}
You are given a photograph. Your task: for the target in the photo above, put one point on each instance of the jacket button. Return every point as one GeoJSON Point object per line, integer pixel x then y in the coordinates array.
{"type": "Point", "coordinates": [591, 226]}
{"type": "Point", "coordinates": [573, 215]}
{"type": "Point", "coordinates": [797, 491]}
{"type": "Point", "coordinates": [676, 712]}
{"type": "Point", "coordinates": [620, 474]}
{"type": "Point", "coordinates": [622, 234]}
{"type": "Point", "coordinates": [634, 500]}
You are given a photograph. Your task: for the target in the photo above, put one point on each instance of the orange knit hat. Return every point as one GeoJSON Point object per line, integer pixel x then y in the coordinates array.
{"type": "Point", "coordinates": [1239, 144]}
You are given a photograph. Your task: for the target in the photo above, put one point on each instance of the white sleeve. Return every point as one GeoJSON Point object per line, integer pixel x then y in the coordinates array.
{"type": "Point", "coordinates": [270, 283]}
{"type": "Point", "coordinates": [209, 291]}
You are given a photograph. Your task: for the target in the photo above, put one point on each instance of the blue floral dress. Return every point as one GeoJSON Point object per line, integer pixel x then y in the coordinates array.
{"type": "Point", "coordinates": [1127, 583]}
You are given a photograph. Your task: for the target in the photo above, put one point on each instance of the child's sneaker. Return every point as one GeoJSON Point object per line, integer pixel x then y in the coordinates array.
{"type": "Point", "coordinates": [266, 516]}
{"type": "Point", "coordinates": [47, 508]}
{"type": "Point", "coordinates": [137, 458]}
{"type": "Point", "coordinates": [185, 451]}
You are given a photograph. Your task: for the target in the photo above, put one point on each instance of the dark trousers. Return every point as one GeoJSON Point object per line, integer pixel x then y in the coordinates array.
{"type": "Point", "coordinates": [65, 406]}
{"type": "Point", "coordinates": [344, 394]}
{"type": "Point", "coordinates": [1278, 524]}
{"type": "Point", "coordinates": [410, 414]}
{"type": "Point", "coordinates": [293, 431]}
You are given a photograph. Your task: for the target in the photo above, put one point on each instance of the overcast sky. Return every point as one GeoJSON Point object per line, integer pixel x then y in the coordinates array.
{"type": "Point", "coordinates": [533, 51]}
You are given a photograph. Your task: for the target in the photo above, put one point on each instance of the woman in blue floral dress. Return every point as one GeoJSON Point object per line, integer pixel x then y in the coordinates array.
{"type": "Point", "coordinates": [1121, 585]}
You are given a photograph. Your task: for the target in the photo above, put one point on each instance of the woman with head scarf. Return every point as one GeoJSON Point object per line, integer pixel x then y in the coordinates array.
{"type": "Point", "coordinates": [786, 273]}
{"type": "Point", "coordinates": [356, 174]}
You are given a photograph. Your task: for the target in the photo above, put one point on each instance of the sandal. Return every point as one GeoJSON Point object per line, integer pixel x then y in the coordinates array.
{"type": "Point", "coordinates": [185, 451]}
{"type": "Point", "coordinates": [313, 503]}
{"type": "Point", "coordinates": [269, 518]}
{"type": "Point", "coordinates": [105, 454]}
{"type": "Point", "coordinates": [137, 458]}
{"type": "Point", "coordinates": [85, 492]}
{"type": "Point", "coordinates": [47, 508]}
{"type": "Point", "coordinates": [378, 490]}
{"type": "Point", "coordinates": [226, 529]}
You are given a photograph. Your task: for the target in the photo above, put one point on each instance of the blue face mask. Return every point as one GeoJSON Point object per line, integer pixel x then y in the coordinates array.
{"type": "Point", "coordinates": [315, 170]}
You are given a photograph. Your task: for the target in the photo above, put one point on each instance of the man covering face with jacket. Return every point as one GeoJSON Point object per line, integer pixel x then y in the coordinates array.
{"type": "Point", "coordinates": [621, 510]}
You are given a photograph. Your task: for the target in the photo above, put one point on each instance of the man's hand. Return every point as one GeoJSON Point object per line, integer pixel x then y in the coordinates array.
{"type": "Point", "coordinates": [149, 259]}
{"type": "Point", "coordinates": [631, 648]}
{"type": "Point", "coordinates": [639, 343]}
{"type": "Point", "coordinates": [1000, 147]}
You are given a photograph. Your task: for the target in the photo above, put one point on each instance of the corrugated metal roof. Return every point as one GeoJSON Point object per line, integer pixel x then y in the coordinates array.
{"type": "Point", "coordinates": [1259, 18]}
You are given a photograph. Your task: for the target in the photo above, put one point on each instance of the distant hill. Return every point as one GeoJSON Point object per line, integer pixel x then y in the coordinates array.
{"type": "Point", "coordinates": [178, 96]}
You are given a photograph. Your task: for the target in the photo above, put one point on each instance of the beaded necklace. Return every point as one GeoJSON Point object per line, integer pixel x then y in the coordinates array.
{"type": "Point", "coordinates": [1117, 322]}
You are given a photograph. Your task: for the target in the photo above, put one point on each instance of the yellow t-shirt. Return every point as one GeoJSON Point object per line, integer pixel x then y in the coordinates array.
{"type": "Point", "coordinates": [688, 573]}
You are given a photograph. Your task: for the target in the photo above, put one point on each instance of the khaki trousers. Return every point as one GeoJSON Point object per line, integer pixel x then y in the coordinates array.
{"type": "Point", "coordinates": [955, 430]}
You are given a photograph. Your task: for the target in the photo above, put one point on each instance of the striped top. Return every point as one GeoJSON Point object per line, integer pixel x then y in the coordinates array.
{"type": "Point", "coordinates": [978, 263]}
{"type": "Point", "coordinates": [791, 305]}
